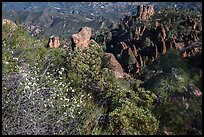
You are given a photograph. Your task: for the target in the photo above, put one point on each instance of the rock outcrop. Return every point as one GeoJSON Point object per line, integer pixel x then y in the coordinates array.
{"type": "Point", "coordinates": [192, 22]}
{"type": "Point", "coordinates": [7, 21]}
{"type": "Point", "coordinates": [116, 67]}
{"type": "Point", "coordinates": [190, 50]}
{"type": "Point", "coordinates": [150, 52]}
{"type": "Point", "coordinates": [127, 20]}
{"type": "Point", "coordinates": [139, 31]}
{"type": "Point", "coordinates": [82, 38]}
{"type": "Point", "coordinates": [163, 46]}
{"type": "Point", "coordinates": [53, 42]}
{"type": "Point", "coordinates": [195, 90]}
{"type": "Point", "coordinates": [145, 11]}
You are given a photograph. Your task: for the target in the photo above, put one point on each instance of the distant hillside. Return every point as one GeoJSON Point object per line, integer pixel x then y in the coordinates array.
{"type": "Point", "coordinates": [45, 24]}
{"type": "Point", "coordinates": [66, 18]}
{"type": "Point", "coordinates": [92, 10]}
{"type": "Point", "coordinates": [178, 5]}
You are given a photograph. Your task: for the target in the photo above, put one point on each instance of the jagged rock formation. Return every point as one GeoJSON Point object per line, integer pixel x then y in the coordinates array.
{"type": "Point", "coordinates": [163, 46]}
{"type": "Point", "coordinates": [191, 50]}
{"type": "Point", "coordinates": [173, 44]}
{"type": "Point", "coordinates": [82, 38]}
{"type": "Point", "coordinates": [139, 31]}
{"type": "Point", "coordinates": [192, 22]}
{"type": "Point", "coordinates": [145, 11]}
{"type": "Point", "coordinates": [150, 52]}
{"type": "Point", "coordinates": [7, 21]}
{"type": "Point", "coordinates": [195, 90]}
{"type": "Point", "coordinates": [127, 20]}
{"type": "Point", "coordinates": [53, 42]}
{"type": "Point", "coordinates": [116, 67]}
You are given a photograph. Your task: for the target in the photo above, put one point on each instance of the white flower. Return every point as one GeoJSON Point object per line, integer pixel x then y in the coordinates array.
{"type": "Point", "coordinates": [34, 84]}
{"type": "Point", "coordinates": [15, 59]}
{"type": "Point", "coordinates": [62, 69]}
{"type": "Point", "coordinates": [6, 63]}
{"type": "Point", "coordinates": [60, 72]}
{"type": "Point", "coordinates": [27, 87]}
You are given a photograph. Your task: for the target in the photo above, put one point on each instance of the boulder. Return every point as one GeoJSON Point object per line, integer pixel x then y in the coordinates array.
{"type": "Point", "coordinates": [195, 90]}
{"type": "Point", "coordinates": [7, 21]}
{"type": "Point", "coordinates": [116, 67]}
{"type": "Point", "coordinates": [82, 38]}
{"type": "Point", "coordinates": [150, 10]}
{"type": "Point", "coordinates": [53, 42]}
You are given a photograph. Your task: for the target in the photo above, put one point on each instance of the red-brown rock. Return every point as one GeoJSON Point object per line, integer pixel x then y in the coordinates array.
{"type": "Point", "coordinates": [163, 46]}
{"type": "Point", "coordinates": [139, 32]}
{"type": "Point", "coordinates": [145, 11]}
{"type": "Point", "coordinates": [150, 10]}
{"type": "Point", "coordinates": [82, 38]}
{"type": "Point", "coordinates": [53, 42]}
{"type": "Point", "coordinates": [116, 67]}
{"type": "Point", "coordinates": [195, 90]}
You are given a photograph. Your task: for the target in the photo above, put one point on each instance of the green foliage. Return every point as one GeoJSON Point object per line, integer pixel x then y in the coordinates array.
{"type": "Point", "coordinates": [174, 99]}
{"type": "Point", "coordinates": [15, 42]}
{"type": "Point", "coordinates": [147, 42]}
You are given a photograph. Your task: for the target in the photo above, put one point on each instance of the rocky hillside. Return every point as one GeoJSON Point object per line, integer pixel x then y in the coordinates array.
{"type": "Point", "coordinates": [45, 17]}
{"type": "Point", "coordinates": [45, 24]}
{"type": "Point", "coordinates": [92, 10]}
{"type": "Point", "coordinates": [111, 10]}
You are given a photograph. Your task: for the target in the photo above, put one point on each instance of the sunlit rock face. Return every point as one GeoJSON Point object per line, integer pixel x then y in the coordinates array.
{"type": "Point", "coordinates": [116, 67]}
{"type": "Point", "coordinates": [82, 38]}
{"type": "Point", "coordinates": [53, 42]}
{"type": "Point", "coordinates": [145, 11]}
{"type": "Point", "coordinates": [7, 21]}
